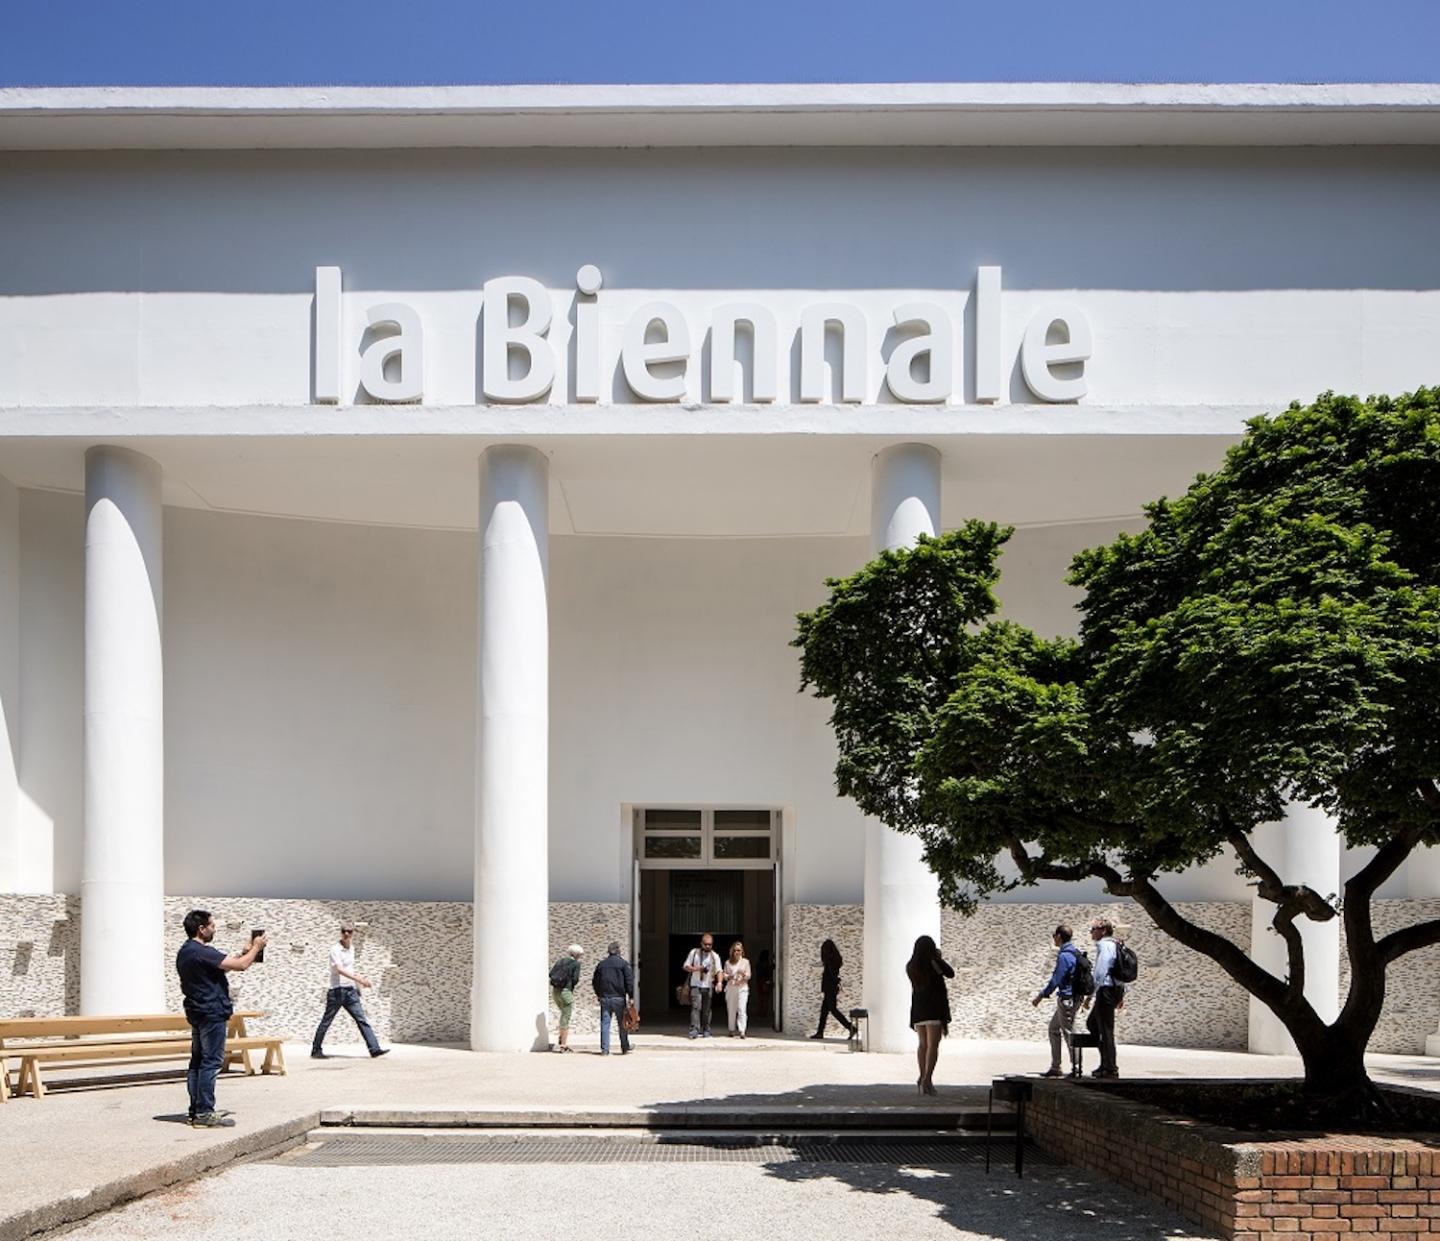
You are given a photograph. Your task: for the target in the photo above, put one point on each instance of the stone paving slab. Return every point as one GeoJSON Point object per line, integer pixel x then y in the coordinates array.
{"type": "Point", "coordinates": [83, 1150]}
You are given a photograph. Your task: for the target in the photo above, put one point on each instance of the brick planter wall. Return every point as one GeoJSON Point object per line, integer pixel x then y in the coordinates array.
{"type": "Point", "coordinates": [1320, 1188]}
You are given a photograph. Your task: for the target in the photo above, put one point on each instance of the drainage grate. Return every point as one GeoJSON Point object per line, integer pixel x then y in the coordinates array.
{"type": "Point", "coordinates": [362, 1151]}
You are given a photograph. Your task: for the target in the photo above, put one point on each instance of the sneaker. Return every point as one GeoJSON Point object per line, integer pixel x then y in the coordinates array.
{"type": "Point", "coordinates": [707, 1034]}
{"type": "Point", "coordinates": [818, 1036]}
{"type": "Point", "coordinates": [1052, 1071]}
{"type": "Point", "coordinates": [694, 1033]}
{"type": "Point", "coordinates": [319, 1055]}
{"type": "Point", "coordinates": [213, 1120]}
{"type": "Point", "coordinates": [383, 1051]}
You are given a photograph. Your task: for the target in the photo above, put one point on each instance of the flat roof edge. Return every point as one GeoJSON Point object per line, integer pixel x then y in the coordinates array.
{"type": "Point", "coordinates": [1057, 113]}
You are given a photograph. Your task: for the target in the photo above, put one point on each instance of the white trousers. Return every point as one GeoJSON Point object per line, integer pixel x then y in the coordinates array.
{"type": "Point", "coordinates": [736, 1000]}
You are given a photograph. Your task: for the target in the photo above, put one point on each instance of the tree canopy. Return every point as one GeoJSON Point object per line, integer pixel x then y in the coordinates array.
{"type": "Point", "coordinates": [1273, 635]}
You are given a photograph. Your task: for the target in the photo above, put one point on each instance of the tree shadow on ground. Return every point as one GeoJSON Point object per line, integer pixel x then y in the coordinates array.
{"type": "Point", "coordinates": [1052, 1200]}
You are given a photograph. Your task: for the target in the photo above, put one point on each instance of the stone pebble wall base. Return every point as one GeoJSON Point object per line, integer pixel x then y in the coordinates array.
{"type": "Point", "coordinates": [1412, 1003]}
{"type": "Point", "coordinates": [1319, 1189]}
{"type": "Point", "coordinates": [1003, 955]}
{"type": "Point", "coordinates": [416, 953]}
{"type": "Point", "coordinates": [806, 928]}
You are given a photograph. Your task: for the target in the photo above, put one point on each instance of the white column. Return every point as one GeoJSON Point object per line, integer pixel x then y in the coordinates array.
{"type": "Point", "coordinates": [10, 859]}
{"type": "Point", "coordinates": [1303, 848]}
{"type": "Point", "coordinates": [122, 874]}
{"type": "Point", "coordinates": [901, 895]}
{"type": "Point", "coordinates": [509, 997]}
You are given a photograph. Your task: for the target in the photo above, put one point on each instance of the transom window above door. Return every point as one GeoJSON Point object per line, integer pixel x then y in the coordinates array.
{"type": "Point", "coordinates": [706, 837]}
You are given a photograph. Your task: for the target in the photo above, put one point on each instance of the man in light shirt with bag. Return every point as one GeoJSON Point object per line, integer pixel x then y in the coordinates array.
{"type": "Point", "coordinates": [703, 966]}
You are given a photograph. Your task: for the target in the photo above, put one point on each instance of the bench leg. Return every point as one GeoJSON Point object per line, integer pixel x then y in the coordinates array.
{"type": "Point", "coordinates": [4, 1081]}
{"type": "Point", "coordinates": [274, 1060]}
{"type": "Point", "coordinates": [30, 1079]}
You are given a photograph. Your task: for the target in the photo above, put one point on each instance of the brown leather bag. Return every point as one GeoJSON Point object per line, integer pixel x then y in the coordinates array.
{"type": "Point", "coordinates": [630, 1019]}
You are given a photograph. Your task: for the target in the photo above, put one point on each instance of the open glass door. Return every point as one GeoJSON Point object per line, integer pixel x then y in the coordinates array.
{"type": "Point", "coordinates": [635, 927]}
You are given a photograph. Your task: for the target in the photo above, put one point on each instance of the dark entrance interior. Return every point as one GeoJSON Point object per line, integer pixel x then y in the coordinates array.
{"type": "Point", "coordinates": [676, 907]}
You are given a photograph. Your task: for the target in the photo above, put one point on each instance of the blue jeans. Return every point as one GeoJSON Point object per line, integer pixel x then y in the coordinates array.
{"type": "Point", "coordinates": [347, 998]}
{"type": "Point", "coordinates": [207, 1054]}
{"type": "Point", "coordinates": [613, 1006]}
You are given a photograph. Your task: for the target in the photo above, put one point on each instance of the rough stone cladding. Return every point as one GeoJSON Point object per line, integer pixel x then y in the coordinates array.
{"type": "Point", "coordinates": [1003, 955]}
{"type": "Point", "coordinates": [417, 953]}
{"type": "Point", "coordinates": [1412, 1004]}
{"type": "Point", "coordinates": [806, 928]}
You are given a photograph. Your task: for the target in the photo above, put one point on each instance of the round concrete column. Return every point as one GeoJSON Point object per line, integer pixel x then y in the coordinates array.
{"type": "Point", "coordinates": [901, 895]}
{"type": "Point", "coordinates": [509, 999]}
{"type": "Point", "coordinates": [1303, 848]}
{"type": "Point", "coordinates": [122, 880]}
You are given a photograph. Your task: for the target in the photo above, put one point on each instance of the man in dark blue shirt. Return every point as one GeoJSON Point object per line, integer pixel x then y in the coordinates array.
{"type": "Point", "coordinates": [202, 969]}
{"type": "Point", "coordinates": [1062, 987]}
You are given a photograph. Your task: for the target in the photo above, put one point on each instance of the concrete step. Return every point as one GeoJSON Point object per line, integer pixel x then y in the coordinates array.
{"type": "Point", "coordinates": [697, 1116]}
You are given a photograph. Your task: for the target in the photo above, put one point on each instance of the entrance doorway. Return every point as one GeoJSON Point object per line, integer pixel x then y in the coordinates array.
{"type": "Point", "coordinates": [699, 870]}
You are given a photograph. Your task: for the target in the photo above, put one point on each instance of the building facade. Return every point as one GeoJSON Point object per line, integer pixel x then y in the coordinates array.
{"type": "Point", "coordinates": [406, 497]}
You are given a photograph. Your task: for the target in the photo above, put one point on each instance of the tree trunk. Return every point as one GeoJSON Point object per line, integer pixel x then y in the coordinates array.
{"type": "Point", "coordinates": [1338, 1090]}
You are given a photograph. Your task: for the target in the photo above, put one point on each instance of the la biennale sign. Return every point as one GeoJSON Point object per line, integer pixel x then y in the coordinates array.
{"type": "Point", "coordinates": [827, 349]}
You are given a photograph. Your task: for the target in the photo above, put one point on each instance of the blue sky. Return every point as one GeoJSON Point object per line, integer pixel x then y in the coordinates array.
{"type": "Point", "coordinates": [275, 42]}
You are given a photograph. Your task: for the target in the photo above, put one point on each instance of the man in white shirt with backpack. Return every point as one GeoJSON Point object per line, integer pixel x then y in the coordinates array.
{"type": "Point", "coordinates": [703, 967]}
{"type": "Point", "coordinates": [1109, 996]}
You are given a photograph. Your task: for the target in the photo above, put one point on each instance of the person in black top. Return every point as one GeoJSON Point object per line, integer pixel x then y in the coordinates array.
{"type": "Point", "coordinates": [830, 963]}
{"type": "Point", "coordinates": [614, 983]}
{"type": "Point", "coordinates": [202, 969]}
{"type": "Point", "coordinates": [929, 1006]}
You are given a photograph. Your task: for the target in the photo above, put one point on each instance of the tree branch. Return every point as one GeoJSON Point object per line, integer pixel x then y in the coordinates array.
{"type": "Point", "coordinates": [1284, 923]}
{"type": "Point", "coordinates": [1291, 897]}
{"type": "Point", "coordinates": [1409, 939]}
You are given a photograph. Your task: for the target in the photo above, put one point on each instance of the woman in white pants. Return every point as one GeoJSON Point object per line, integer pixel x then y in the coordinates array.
{"type": "Point", "coordinates": [737, 987]}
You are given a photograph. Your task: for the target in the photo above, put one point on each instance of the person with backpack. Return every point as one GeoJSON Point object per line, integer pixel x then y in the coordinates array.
{"type": "Point", "coordinates": [1115, 965]}
{"type": "Point", "coordinates": [1070, 983]}
{"type": "Point", "coordinates": [564, 978]}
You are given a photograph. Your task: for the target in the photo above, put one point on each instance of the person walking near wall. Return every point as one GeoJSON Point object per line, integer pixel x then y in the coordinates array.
{"type": "Point", "coordinates": [736, 982]}
{"type": "Point", "coordinates": [614, 984]}
{"type": "Point", "coordinates": [564, 978]}
{"type": "Point", "coordinates": [1109, 996]}
{"type": "Point", "coordinates": [929, 1006]}
{"type": "Point", "coordinates": [343, 994]}
{"type": "Point", "coordinates": [1062, 986]}
{"type": "Point", "coordinates": [830, 963]}
{"type": "Point", "coordinates": [703, 966]}
{"type": "Point", "coordinates": [202, 969]}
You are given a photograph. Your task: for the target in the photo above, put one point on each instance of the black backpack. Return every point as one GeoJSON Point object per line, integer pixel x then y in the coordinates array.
{"type": "Point", "coordinates": [1082, 981]}
{"type": "Point", "coordinates": [560, 973]}
{"type": "Point", "coordinates": [1127, 964]}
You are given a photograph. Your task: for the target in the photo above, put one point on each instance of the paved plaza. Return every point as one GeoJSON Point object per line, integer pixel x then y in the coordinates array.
{"type": "Point", "coordinates": [86, 1149]}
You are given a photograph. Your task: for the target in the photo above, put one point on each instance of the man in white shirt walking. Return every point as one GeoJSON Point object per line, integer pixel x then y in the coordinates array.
{"type": "Point", "coordinates": [703, 966]}
{"type": "Point", "coordinates": [343, 994]}
{"type": "Point", "coordinates": [1109, 995]}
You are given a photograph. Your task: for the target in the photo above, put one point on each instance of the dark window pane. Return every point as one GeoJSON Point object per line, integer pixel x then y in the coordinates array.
{"type": "Point", "coordinates": [662, 819]}
{"type": "Point", "coordinates": [742, 846]}
{"type": "Point", "coordinates": [744, 820]}
{"type": "Point", "coordinates": [672, 846]}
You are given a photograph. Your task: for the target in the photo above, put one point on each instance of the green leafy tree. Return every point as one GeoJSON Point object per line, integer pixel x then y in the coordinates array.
{"type": "Point", "coordinates": [1272, 636]}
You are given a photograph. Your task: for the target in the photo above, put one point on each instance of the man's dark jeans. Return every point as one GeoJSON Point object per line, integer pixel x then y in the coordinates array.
{"type": "Point", "coordinates": [347, 998]}
{"type": "Point", "coordinates": [1101, 1023]}
{"type": "Point", "coordinates": [613, 1006]}
{"type": "Point", "coordinates": [207, 1054]}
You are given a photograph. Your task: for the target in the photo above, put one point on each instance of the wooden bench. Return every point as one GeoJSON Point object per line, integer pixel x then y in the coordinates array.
{"type": "Point", "coordinates": [84, 1041]}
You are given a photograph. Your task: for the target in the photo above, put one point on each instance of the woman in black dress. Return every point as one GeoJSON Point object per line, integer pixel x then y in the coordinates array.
{"type": "Point", "coordinates": [929, 1006]}
{"type": "Point", "coordinates": [830, 963]}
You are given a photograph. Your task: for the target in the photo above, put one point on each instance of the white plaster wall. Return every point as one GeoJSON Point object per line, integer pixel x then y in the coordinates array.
{"type": "Point", "coordinates": [1209, 275]}
{"type": "Point", "coordinates": [319, 702]}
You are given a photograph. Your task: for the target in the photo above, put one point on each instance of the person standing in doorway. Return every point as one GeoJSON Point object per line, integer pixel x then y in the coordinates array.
{"type": "Point", "coordinates": [929, 1006]}
{"type": "Point", "coordinates": [614, 984]}
{"type": "Point", "coordinates": [1109, 995]}
{"type": "Point", "coordinates": [564, 978]}
{"type": "Point", "coordinates": [736, 975]}
{"type": "Point", "coordinates": [202, 969]}
{"type": "Point", "coordinates": [703, 966]}
{"type": "Point", "coordinates": [830, 963]}
{"type": "Point", "coordinates": [1062, 987]}
{"type": "Point", "coordinates": [343, 994]}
